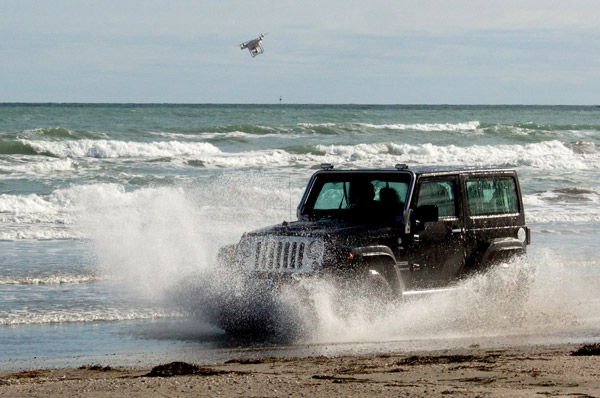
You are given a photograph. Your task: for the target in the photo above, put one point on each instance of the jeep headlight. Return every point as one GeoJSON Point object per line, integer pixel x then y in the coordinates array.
{"type": "Point", "coordinates": [245, 248]}
{"type": "Point", "coordinates": [315, 249]}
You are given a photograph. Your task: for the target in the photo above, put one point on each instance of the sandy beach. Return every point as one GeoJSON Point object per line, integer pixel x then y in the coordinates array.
{"type": "Point", "coordinates": [474, 372]}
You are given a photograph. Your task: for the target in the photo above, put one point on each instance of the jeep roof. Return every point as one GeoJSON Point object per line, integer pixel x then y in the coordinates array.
{"type": "Point", "coordinates": [422, 170]}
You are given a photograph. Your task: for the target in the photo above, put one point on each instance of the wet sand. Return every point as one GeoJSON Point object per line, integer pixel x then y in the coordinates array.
{"type": "Point", "coordinates": [523, 371]}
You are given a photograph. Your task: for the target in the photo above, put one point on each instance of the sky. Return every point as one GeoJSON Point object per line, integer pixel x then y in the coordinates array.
{"type": "Point", "coordinates": [325, 51]}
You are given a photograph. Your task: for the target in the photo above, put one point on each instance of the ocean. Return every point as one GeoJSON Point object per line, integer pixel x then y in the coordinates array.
{"type": "Point", "coordinates": [105, 209]}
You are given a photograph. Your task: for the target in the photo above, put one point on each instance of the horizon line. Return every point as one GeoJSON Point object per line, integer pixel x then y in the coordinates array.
{"type": "Point", "coordinates": [42, 103]}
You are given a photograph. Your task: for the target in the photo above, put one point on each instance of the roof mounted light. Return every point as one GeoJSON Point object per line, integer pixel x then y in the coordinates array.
{"type": "Point", "coordinates": [401, 166]}
{"type": "Point", "coordinates": [326, 166]}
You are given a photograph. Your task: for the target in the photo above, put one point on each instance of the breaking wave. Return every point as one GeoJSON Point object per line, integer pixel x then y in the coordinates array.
{"type": "Point", "coordinates": [26, 232]}
{"type": "Point", "coordinates": [542, 155]}
{"type": "Point", "coordinates": [58, 133]}
{"type": "Point", "coordinates": [15, 148]}
{"type": "Point", "coordinates": [563, 205]}
{"type": "Point", "coordinates": [465, 126]}
{"type": "Point", "coordinates": [48, 280]}
{"type": "Point", "coordinates": [33, 209]}
{"type": "Point", "coordinates": [37, 168]}
{"type": "Point", "coordinates": [120, 149]}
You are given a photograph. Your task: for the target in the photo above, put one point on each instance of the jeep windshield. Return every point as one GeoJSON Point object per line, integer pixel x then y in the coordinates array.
{"type": "Point", "coordinates": [364, 197]}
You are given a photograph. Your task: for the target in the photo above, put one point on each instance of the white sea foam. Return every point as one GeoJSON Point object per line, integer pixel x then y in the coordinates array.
{"type": "Point", "coordinates": [544, 155]}
{"type": "Point", "coordinates": [20, 165]}
{"type": "Point", "coordinates": [167, 134]}
{"type": "Point", "coordinates": [29, 209]}
{"type": "Point", "coordinates": [48, 280]}
{"type": "Point", "coordinates": [27, 232]}
{"type": "Point", "coordinates": [121, 149]}
{"type": "Point", "coordinates": [549, 207]}
{"type": "Point", "coordinates": [213, 135]}
{"type": "Point", "coordinates": [80, 315]}
{"type": "Point", "coordinates": [45, 216]}
{"type": "Point", "coordinates": [316, 124]}
{"type": "Point", "coordinates": [464, 126]}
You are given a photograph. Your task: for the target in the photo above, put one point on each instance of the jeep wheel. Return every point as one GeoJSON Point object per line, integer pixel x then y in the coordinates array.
{"type": "Point", "coordinates": [377, 289]}
{"type": "Point", "coordinates": [374, 295]}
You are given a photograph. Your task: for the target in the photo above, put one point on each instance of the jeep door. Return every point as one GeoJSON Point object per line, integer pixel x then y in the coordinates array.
{"type": "Point", "coordinates": [437, 250]}
{"type": "Point", "coordinates": [494, 211]}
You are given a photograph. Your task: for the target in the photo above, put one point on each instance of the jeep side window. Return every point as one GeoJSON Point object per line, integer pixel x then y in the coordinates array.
{"type": "Point", "coordinates": [439, 193]}
{"type": "Point", "coordinates": [492, 196]}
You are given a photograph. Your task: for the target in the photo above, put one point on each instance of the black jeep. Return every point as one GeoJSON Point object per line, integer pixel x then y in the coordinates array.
{"type": "Point", "coordinates": [401, 231]}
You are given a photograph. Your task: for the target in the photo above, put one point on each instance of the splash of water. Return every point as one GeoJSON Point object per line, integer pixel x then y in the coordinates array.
{"type": "Point", "coordinates": [160, 243]}
{"type": "Point", "coordinates": [150, 239]}
{"type": "Point", "coordinates": [510, 301]}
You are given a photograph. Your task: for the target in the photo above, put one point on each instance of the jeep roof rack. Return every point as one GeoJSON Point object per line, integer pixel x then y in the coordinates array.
{"type": "Point", "coordinates": [401, 166]}
{"type": "Point", "coordinates": [326, 166]}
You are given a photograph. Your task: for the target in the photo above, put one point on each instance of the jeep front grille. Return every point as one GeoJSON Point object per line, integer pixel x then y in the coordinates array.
{"type": "Point", "coordinates": [281, 253]}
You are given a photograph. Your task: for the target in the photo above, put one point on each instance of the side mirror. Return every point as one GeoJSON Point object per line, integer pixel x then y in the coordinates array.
{"type": "Point", "coordinates": [426, 213]}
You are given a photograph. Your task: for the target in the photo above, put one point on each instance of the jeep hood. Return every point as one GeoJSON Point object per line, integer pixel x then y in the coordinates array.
{"type": "Point", "coordinates": [325, 229]}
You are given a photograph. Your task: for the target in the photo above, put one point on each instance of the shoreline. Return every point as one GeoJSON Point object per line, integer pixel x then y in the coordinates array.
{"type": "Point", "coordinates": [475, 371]}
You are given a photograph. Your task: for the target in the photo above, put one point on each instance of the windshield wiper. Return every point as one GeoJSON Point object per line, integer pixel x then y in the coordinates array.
{"type": "Point", "coordinates": [345, 197]}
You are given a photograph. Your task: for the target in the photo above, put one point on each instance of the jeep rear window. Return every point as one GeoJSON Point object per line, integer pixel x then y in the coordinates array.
{"type": "Point", "coordinates": [492, 196]}
{"type": "Point", "coordinates": [345, 195]}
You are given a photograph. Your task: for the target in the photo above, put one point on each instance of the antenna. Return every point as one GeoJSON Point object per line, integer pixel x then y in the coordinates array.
{"type": "Point", "coordinates": [290, 192]}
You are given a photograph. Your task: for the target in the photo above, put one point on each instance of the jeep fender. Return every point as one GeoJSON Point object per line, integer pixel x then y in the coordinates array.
{"type": "Point", "coordinates": [500, 250]}
{"type": "Point", "coordinates": [380, 259]}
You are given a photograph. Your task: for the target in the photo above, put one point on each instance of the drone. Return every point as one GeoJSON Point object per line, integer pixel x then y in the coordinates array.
{"type": "Point", "coordinates": [254, 46]}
